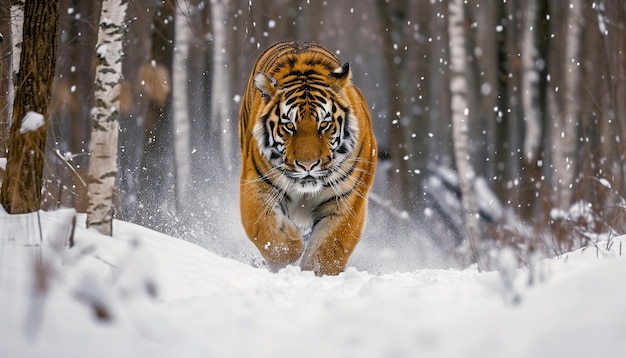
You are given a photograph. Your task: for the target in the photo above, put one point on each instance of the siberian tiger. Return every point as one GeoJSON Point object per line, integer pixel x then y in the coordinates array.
{"type": "Point", "coordinates": [308, 158]}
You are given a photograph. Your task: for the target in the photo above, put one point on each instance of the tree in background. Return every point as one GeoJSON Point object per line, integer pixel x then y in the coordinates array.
{"type": "Point", "coordinates": [460, 125]}
{"type": "Point", "coordinates": [222, 79]}
{"type": "Point", "coordinates": [518, 55]}
{"type": "Point", "coordinates": [105, 116]}
{"type": "Point", "coordinates": [565, 128]}
{"type": "Point", "coordinates": [21, 188]}
{"type": "Point", "coordinates": [180, 81]}
{"type": "Point", "coordinates": [11, 23]}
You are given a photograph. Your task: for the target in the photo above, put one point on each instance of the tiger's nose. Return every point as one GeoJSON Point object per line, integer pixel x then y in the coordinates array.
{"type": "Point", "coordinates": [307, 165]}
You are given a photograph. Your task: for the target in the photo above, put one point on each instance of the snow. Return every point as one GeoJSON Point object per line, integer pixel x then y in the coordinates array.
{"type": "Point", "coordinates": [158, 296]}
{"type": "Point", "coordinates": [101, 51]}
{"type": "Point", "coordinates": [31, 122]}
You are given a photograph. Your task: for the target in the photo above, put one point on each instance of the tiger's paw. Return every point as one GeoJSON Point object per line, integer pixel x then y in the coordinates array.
{"type": "Point", "coordinates": [323, 264]}
{"type": "Point", "coordinates": [280, 253]}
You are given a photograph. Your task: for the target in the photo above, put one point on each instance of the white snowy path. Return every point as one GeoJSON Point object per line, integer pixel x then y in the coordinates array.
{"type": "Point", "coordinates": [209, 306]}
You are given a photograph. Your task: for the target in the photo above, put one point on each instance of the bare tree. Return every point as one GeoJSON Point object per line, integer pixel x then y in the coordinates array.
{"type": "Point", "coordinates": [221, 93]}
{"type": "Point", "coordinates": [564, 134]}
{"type": "Point", "coordinates": [105, 123]}
{"type": "Point", "coordinates": [156, 191]}
{"type": "Point", "coordinates": [393, 17]}
{"type": "Point", "coordinates": [11, 23]}
{"type": "Point", "coordinates": [180, 84]}
{"type": "Point", "coordinates": [611, 17]}
{"type": "Point", "coordinates": [21, 188]}
{"type": "Point", "coordinates": [530, 173]}
{"type": "Point", "coordinates": [460, 123]}
{"type": "Point", "coordinates": [530, 83]}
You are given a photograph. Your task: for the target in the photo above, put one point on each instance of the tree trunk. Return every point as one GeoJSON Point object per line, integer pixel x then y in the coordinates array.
{"type": "Point", "coordinates": [530, 179]}
{"type": "Point", "coordinates": [157, 185]}
{"type": "Point", "coordinates": [564, 135]}
{"type": "Point", "coordinates": [460, 123]}
{"type": "Point", "coordinates": [21, 189]}
{"type": "Point", "coordinates": [612, 22]}
{"type": "Point", "coordinates": [17, 35]}
{"type": "Point", "coordinates": [105, 123]}
{"type": "Point", "coordinates": [180, 81]}
{"type": "Point", "coordinates": [6, 74]}
{"type": "Point", "coordinates": [392, 20]}
{"type": "Point", "coordinates": [221, 91]}
{"type": "Point", "coordinates": [530, 82]}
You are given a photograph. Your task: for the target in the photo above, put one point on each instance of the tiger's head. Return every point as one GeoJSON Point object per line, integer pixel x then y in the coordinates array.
{"type": "Point", "coordinates": [306, 129]}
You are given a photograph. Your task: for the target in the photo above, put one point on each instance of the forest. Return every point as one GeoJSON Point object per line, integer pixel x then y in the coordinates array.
{"type": "Point", "coordinates": [517, 104]}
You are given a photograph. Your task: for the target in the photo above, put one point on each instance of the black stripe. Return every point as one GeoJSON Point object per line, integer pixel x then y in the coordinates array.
{"type": "Point", "coordinates": [266, 179]}
{"type": "Point", "coordinates": [346, 176]}
{"type": "Point", "coordinates": [317, 221]}
{"type": "Point", "coordinates": [352, 168]}
{"type": "Point", "coordinates": [347, 193]}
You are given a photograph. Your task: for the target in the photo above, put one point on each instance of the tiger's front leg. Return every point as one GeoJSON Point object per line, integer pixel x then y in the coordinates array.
{"type": "Point", "coordinates": [333, 240]}
{"type": "Point", "coordinates": [275, 236]}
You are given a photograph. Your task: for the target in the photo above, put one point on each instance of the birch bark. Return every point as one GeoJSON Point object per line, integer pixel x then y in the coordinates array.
{"type": "Point", "coordinates": [530, 83]}
{"type": "Point", "coordinates": [221, 92]}
{"type": "Point", "coordinates": [460, 123]}
{"type": "Point", "coordinates": [105, 124]}
{"type": "Point", "coordinates": [11, 43]}
{"type": "Point", "coordinates": [182, 149]}
{"type": "Point", "coordinates": [17, 24]}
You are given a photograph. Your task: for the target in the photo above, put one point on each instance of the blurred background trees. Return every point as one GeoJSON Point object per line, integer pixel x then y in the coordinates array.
{"type": "Point", "coordinates": [545, 113]}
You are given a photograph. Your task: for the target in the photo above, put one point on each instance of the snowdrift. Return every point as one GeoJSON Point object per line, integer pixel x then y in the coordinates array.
{"type": "Point", "coordinates": [144, 294]}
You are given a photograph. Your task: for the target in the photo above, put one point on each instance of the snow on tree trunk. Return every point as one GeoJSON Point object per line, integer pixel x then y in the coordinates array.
{"type": "Point", "coordinates": [564, 135]}
{"type": "Point", "coordinates": [105, 125]}
{"type": "Point", "coordinates": [530, 83]}
{"type": "Point", "coordinates": [460, 123]}
{"type": "Point", "coordinates": [179, 97]}
{"type": "Point", "coordinates": [220, 106]}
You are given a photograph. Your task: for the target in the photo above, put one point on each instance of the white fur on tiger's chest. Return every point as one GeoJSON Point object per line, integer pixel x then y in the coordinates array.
{"type": "Point", "coordinates": [300, 210]}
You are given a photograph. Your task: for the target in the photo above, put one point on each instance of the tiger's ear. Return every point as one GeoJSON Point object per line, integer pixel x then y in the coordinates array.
{"type": "Point", "coordinates": [265, 84]}
{"type": "Point", "coordinates": [340, 77]}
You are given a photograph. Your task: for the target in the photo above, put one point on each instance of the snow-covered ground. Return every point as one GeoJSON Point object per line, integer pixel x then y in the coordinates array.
{"type": "Point", "coordinates": [158, 296]}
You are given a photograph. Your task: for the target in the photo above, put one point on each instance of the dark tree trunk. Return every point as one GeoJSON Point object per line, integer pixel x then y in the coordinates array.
{"type": "Point", "coordinates": [5, 74]}
{"type": "Point", "coordinates": [21, 189]}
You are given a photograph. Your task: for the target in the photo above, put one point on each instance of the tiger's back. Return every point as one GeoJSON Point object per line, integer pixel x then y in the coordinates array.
{"type": "Point", "coordinates": [308, 158]}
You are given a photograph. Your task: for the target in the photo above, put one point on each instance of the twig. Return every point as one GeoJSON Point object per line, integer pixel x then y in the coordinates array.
{"type": "Point", "coordinates": [67, 164]}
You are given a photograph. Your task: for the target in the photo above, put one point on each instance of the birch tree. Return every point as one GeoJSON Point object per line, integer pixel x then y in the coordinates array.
{"type": "Point", "coordinates": [530, 173]}
{"type": "Point", "coordinates": [10, 44]}
{"type": "Point", "coordinates": [460, 123]}
{"type": "Point", "coordinates": [21, 188]}
{"type": "Point", "coordinates": [105, 124]}
{"type": "Point", "coordinates": [530, 82]}
{"type": "Point", "coordinates": [221, 93]}
{"type": "Point", "coordinates": [179, 98]}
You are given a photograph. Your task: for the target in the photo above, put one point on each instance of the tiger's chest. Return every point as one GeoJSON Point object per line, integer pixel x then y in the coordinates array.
{"type": "Point", "coordinates": [303, 211]}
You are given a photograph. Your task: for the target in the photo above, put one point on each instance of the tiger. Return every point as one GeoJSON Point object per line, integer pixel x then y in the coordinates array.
{"type": "Point", "coordinates": [308, 156]}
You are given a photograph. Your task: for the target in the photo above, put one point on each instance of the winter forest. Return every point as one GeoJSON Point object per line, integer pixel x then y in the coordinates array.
{"type": "Point", "coordinates": [532, 131]}
{"type": "Point", "coordinates": [496, 219]}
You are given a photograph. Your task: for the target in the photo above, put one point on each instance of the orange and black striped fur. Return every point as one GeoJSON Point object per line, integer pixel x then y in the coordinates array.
{"type": "Point", "coordinates": [308, 158]}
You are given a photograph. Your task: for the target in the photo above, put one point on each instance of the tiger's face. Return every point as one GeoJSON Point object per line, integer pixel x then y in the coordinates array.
{"type": "Point", "coordinates": [305, 130]}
